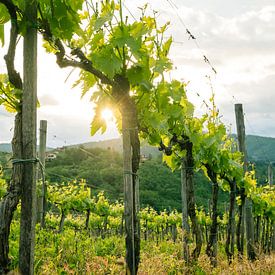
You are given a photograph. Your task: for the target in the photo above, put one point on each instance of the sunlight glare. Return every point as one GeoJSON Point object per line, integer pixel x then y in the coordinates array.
{"type": "Point", "coordinates": [107, 115]}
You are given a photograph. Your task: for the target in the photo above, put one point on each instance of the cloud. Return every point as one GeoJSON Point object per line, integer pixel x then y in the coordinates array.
{"type": "Point", "coordinates": [7, 123]}
{"type": "Point", "coordinates": [74, 130]}
{"type": "Point", "coordinates": [260, 93]}
{"type": "Point", "coordinates": [257, 99]}
{"type": "Point", "coordinates": [4, 113]}
{"type": "Point", "coordinates": [236, 36]}
{"type": "Point", "coordinates": [48, 100]}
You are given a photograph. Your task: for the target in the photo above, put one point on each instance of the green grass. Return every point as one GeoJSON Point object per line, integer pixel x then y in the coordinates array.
{"type": "Point", "coordinates": [79, 252]}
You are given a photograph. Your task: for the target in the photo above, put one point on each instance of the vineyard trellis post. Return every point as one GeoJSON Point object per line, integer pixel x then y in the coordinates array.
{"type": "Point", "coordinates": [42, 203]}
{"type": "Point", "coordinates": [128, 196]}
{"type": "Point", "coordinates": [29, 160]}
{"type": "Point", "coordinates": [270, 174]}
{"type": "Point", "coordinates": [137, 209]}
{"type": "Point", "coordinates": [247, 202]}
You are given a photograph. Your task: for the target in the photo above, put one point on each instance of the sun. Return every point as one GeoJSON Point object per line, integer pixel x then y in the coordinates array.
{"type": "Point", "coordinates": [107, 115]}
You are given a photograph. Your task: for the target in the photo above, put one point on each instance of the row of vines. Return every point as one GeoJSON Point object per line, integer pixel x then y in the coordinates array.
{"type": "Point", "coordinates": [72, 205]}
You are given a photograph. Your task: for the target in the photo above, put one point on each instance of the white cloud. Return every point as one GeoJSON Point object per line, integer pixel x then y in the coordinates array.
{"type": "Point", "coordinates": [236, 36]}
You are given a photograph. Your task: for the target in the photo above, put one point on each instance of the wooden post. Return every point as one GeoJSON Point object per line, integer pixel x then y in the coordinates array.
{"type": "Point", "coordinates": [247, 203]}
{"type": "Point", "coordinates": [29, 103]}
{"type": "Point", "coordinates": [136, 221]}
{"type": "Point", "coordinates": [137, 200]}
{"type": "Point", "coordinates": [42, 157]}
{"type": "Point", "coordinates": [184, 206]}
{"type": "Point", "coordinates": [233, 191]}
{"type": "Point", "coordinates": [270, 174]}
{"type": "Point", "coordinates": [137, 205]}
{"type": "Point", "coordinates": [128, 197]}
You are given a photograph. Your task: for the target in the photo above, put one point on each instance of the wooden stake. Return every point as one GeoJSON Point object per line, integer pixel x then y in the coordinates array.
{"type": "Point", "coordinates": [247, 203]}
{"type": "Point", "coordinates": [128, 197]}
{"type": "Point", "coordinates": [270, 174]}
{"type": "Point", "coordinates": [29, 103]}
{"type": "Point", "coordinates": [42, 157]}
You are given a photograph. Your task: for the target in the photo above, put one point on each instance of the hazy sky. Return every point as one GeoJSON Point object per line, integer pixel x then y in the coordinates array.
{"type": "Point", "coordinates": [236, 36]}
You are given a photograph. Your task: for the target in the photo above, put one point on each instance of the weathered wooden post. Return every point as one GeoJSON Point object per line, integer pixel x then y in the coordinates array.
{"type": "Point", "coordinates": [129, 207]}
{"type": "Point", "coordinates": [42, 205]}
{"type": "Point", "coordinates": [29, 160]}
{"type": "Point", "coordinates": [270, 174]}
{"type": "Point", "coordinates": [247, 202]}
{"type": "Point", "coordinates": [137, 199]}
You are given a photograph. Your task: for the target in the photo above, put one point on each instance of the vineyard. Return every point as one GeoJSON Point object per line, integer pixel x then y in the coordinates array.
{"type": "Point", "coordinates": [123, 64]}
{"type": "Point", "coordinates": [84, 235]}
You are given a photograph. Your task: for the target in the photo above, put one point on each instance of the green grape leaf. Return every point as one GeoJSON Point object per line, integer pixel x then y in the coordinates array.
{"type": "Point", "coordinates": [166, 46]}
{"type": "Point", "coordinates": [171, 161]}
{"type": "Point", "coordinates": [97, 124]}
{"type": "Point", "coordinates": [4, 14]}
{"type": "Point", "coordinates": [107, 61]}
{"type": "Point", "coordinates": [105, 16]}
{"type": "Point", "coordinates": [162, 65]}
{"type": "Point", "coordinates": [2, 34]}
{"type": "Point", "coordinates": [138, 75]}
{"type": "Point", "coordinates": [48, 47]}
{"type": "Point", "coordinates": [138, 29]}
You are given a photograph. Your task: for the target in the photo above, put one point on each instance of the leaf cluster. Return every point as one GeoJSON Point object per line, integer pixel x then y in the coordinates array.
{"type": "Point", "coordinates": [10, 97]}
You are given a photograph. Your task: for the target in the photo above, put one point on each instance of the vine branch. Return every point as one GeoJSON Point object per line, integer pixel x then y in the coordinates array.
{"type": "Point", "coordinates": [14, 76]}
{"type": "Point", "coordinates": [83, 63]}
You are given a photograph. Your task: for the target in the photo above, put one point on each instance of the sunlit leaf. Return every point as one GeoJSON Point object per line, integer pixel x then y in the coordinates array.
{"type": "Point", "coordinates": [2, 34]}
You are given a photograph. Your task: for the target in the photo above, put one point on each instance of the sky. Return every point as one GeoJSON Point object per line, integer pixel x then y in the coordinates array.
{"type": "Point", "coordinates": [236, 36]}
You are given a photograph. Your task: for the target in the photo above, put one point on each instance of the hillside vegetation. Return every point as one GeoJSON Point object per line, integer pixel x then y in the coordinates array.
{"type": "Point", "coordinates": [100, 164]}
{"type": "Point", "coordinates": [259, 148]}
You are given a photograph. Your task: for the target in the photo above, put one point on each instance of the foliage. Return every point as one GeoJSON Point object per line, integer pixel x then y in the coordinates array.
{"type": "Point", "coordinates": [9, 96]}
{"type": "Point", "coordinates": [264, 201]}
{"type": "Point", "coordinates": [79, 252]}
{"type": "Point", "coordinates": [102, 169]}
{"type": "Point", "coordinates": [75, 196]}
{"type": "Point", "coordinates": [112, 50]}
{"type": "Point", "coordinates": [3, 187]}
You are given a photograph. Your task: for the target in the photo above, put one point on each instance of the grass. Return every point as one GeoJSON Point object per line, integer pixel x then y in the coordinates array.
{"type": "Point", "coordinates": [78, 252]}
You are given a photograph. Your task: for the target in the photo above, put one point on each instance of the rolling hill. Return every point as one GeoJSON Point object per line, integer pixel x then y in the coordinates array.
{"type": "Point", "coordinates": [259, 148]}
{"type": "Point", "coordinates": [116, 145]}
{"type": "Point", "coordinates": [5, 147]}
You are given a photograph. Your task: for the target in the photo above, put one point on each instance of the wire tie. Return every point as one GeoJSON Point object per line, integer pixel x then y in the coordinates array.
{"type": "Point", "coordinates": [33, 160]}
{"type": "Point", "coordinates": [20, 161]}
{"type": "Point", "coordinates": [130, 129]}
{"type": "Point", "coordinates": [129, 173]}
